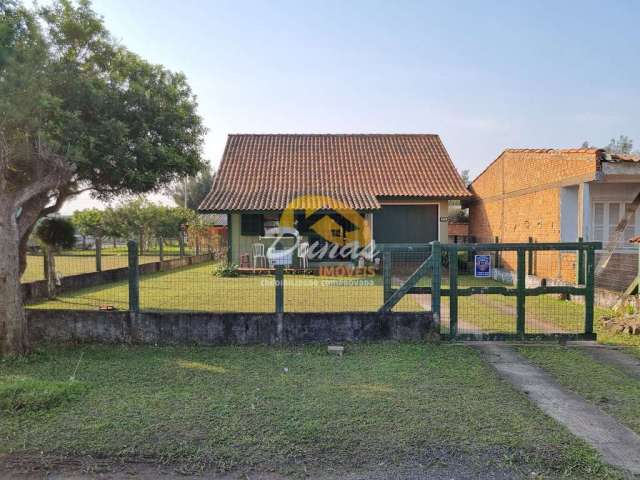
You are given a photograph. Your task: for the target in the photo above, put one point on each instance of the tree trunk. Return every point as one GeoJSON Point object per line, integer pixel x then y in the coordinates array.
{"type": "Point", "coordinates": [141, 243]}
{"type": "Point", "coordinates": [13, 325]}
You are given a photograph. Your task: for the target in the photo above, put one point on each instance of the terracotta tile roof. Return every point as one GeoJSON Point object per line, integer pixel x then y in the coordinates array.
{"type": "Point", "coordinates": [266, 172]}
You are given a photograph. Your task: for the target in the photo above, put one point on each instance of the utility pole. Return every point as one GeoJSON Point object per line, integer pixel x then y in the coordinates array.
{"type": "Point", "coordinates": [186, 195]}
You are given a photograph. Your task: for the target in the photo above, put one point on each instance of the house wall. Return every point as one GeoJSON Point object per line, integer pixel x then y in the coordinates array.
{"type": "Point", "coordinates": [520, 195]}
{"type": "Point", "coordinates": [243, 244]}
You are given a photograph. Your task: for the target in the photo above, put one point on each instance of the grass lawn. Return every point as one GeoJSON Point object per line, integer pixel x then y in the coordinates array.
{"type": "Point", "coordinates": [196, 288]}
{"type": "Point", "coordinates": [606, 386]}
{"type": "Point", "coordinates": [76, 264]}
{"type": "Point", "coordinates": [237, 408]}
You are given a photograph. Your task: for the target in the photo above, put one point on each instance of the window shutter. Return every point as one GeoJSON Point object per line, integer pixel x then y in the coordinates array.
{"type": "Point", "coordinates": [251, 224]}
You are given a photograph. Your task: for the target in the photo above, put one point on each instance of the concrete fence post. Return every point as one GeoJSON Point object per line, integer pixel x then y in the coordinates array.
{"type": "Point", "coordinates": [98, 254]}
{"type": "Point", "coordinates": [134, 277]}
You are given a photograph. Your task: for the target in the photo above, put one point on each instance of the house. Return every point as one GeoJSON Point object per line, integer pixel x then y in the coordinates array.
{"type": "Point", "coordinates": [400, 185]}
{"type": "Point", "coordinates": [548, 195]}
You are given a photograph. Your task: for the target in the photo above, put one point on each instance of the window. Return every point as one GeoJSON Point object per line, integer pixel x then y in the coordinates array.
{"type": "Point", "coordinates": [251, 224]}
{"type": "Point", "coordinates": [598, 222]}
{"type": "Point", "coordinates": [606, 216]}
{"type": "Point", "coordinates": [630, 231]}
{"type": "Point", "coordinates": [614, 218]}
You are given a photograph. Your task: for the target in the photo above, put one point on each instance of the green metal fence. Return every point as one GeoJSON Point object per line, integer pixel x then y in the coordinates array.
{"type": "Point", "coordinates": [534, 290]}
{"type": "Point", "coordinates": [511, 303]}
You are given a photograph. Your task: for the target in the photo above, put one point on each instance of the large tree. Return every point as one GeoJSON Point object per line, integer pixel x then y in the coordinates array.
{"type": "Point", "coordinates": [78, 112]}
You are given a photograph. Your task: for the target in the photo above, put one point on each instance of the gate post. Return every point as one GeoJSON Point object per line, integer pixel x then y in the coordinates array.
{"type": "Point", "coordinates": [520, 287]}
{"type": "Point", "coordinates": [580, 269]}
{"type": "Point", "coordinates": [436, 255]}
{"type": "Point", "coordinates": [530, 259]}
{"type": "Point", "coordinates": [453, 291]}
{"type": "Point", "coordinates": [590, 287]}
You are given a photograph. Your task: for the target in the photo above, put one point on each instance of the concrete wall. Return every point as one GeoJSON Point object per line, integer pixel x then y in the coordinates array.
{"type": "Point", "coordinates": [63, 326]}
{"type": "Point", "coordinates": [33, 291]}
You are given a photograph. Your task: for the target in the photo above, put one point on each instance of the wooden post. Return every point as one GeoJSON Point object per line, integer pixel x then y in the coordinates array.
{"type": "Point", "coordinates": [590, 287]}
{"type": "Point", "coordinates": [134, 277]}
{"type": "Point", "coordinates": [98, 254]}
{"type": "Point", "coordinates": [181, 243]}
{"type": "Point", "coordinates": [50, 270]}
{"type": "Point", "coordinates": [453, 292]}
{"type": "Point", "coordinates": [520, 297]}
{"type": "Point", "coordinates": [386, 274]}
{"type": "Point", "coordinates": [436, 253]}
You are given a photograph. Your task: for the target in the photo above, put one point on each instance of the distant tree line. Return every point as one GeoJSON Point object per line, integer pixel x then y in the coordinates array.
{"type": "Point", "coordinates": [623, 145]}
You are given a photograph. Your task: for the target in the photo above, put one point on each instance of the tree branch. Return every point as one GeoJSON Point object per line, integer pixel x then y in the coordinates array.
{"type": "Point", "coordinates": [59, 172]}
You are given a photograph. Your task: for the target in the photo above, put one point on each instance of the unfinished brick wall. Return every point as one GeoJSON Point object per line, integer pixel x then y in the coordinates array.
{"type": "Point", "coordinates": [518, 197]}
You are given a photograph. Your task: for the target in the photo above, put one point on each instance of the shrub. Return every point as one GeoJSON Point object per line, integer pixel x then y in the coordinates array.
{"type": "Point", "coordinates": [56, 232]}
{"type": "Point", "coordinates": [224, 270]}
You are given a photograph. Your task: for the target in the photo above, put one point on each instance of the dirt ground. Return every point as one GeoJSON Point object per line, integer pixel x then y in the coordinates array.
{"type": "Point", "coordinates": [77, 468]}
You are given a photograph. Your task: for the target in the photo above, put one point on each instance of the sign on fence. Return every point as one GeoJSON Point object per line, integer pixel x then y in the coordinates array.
{"type": "Point", "coordinates": [482, 266]}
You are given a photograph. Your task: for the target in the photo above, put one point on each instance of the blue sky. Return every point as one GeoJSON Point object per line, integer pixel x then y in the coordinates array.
{"type": "Point", "coordinates": [485, 76]}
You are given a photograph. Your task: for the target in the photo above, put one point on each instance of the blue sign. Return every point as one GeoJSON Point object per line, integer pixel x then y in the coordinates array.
{"type": "Point", "coordinates": [482, 266]}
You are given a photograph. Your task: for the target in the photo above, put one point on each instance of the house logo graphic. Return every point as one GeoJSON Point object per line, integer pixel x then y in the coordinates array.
{"type": "Point", "coordinates": [330, 219]}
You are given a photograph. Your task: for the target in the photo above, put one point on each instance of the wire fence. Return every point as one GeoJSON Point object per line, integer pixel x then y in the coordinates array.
{"type": "Point", "coordinates": [474, 289]}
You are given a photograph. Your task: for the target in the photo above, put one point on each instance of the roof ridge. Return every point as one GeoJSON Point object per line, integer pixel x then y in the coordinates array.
{"type": "Point", "coordinates": [551, 150]}
{"type": "Point", "coordinates": [333, 134]}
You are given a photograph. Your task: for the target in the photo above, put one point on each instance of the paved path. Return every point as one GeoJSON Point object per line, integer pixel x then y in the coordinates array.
{"type": "Point", "coordinates": [615, 357]}
{"type": "Point", "coordinates": [618, 445]}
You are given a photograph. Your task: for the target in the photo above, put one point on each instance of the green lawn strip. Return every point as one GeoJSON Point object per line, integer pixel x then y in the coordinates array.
{"type": "Point", "coordinates": [238, 408]}
{"type": "Point", "coordinates": [604, 385]}
{"type": "Point", "coordinates": [77, 264]}
{"type": "Point", "coordinates": [196, 288]}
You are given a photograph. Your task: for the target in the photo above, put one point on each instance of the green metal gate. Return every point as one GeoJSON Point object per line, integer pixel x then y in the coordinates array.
{"type": "Point", "coordinates": [528, 294]}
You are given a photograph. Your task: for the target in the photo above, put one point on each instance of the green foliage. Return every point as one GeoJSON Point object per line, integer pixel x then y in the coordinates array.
{"type": "Point", "coordinates": [226, 270]}
{"type": "Point", "coordinates": [88, 222]}
{"type": "Point", "coordinates": [21, 394]}
{"type": "Point", "coordinates": [56, 232]}
{"type": "Point", "coordinates": [126, 125]}
{"type": "Point", "coordinates": [168, 220]}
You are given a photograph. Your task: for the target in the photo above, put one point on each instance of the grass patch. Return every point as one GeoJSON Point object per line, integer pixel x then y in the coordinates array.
{"type": "Point", "coordinates": [606, 386]}
{"type": "Point", "coordinates": [76, 264]}
{"type": "Point", "coordinates": [235, 408]}
{"type": "Point", "coordinates": [22, 394]}
{"type": "Point", "coordinates": [197, 288]}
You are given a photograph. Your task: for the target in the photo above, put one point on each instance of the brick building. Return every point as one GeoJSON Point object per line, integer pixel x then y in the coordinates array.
{"type": "Point", "coordinates": [558, 195]}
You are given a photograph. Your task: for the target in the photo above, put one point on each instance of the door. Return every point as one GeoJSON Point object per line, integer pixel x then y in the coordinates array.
{"type": "Point", "coordinates": [406, 224]}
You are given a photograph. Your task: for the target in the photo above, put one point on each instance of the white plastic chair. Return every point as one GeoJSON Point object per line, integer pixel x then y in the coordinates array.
{"type": "Point", "coordinates": [303, 255]}
{"type": "Point", "coordinates": [259, 258]}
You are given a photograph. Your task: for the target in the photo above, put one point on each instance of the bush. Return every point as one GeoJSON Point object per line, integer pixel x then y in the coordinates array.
{"type": "Point", "coordinates": [56, 232]}
{"type": "Point", "coordinates": [224, 270]}
{"type": "Point", "coordinates": [27, 394]}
